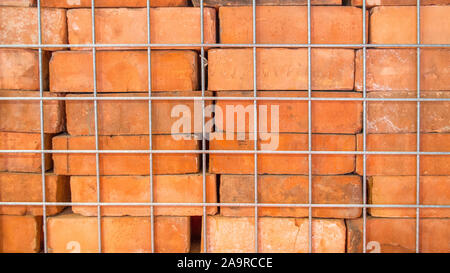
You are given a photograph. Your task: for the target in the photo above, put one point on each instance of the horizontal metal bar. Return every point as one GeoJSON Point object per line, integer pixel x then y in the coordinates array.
{"type": "Point", "coordinates": [220, 204]}
{"type": "Point", "coordinates": [218, 45]}
{"type": "Point", "coordinates": [223, 152]}
{"type": "Point", "coordinates": [146, 98]}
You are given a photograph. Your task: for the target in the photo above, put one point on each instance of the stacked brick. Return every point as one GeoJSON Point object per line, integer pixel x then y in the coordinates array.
{"type": "Point", "coordinates": [22, 175]}
{"type": "Point", "coordinates": [129, 176]}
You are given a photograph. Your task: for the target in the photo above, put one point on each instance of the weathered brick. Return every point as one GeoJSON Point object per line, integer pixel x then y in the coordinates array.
{"type": "Point", "coordinates": [288, 189]}
{"type": "Point", "coordinates": [284, 163]}
{"type": "Point", "coordinates": [398, 25]}
{"type": "Point", "coordinates": [373, 3]}
{"type": "Point", "coordinates": [112, 26]}
{"type": "Point", "coordinates": [27, 187]}
{"type": "Point", "coordinates": [76, 233]}
{"type": "Point", "coordinates": [344, 117]}
{"type": "Point", "coordinates": [434, 190]}
{"type": "Point", "coordinates": [136, 189]}
{"type": "Point", "coordinates": [126, 117]}
{"type": "Point", "coordinates": [20, 26]}
{"type": "Point", "coordinates": [237, 234]}
{"type": "Point", "coordinates": [24, 115]}
{"type": "Point", "coordinates": [401, 116]}
{"type": "Point", "coordinates": [112, 3]}
{"type": "Point", "coordinates": [398, 235]}
{"type": "Point", "coordinates": [221, 3]}
{"type": "Point", "coordinates": [123, 163]}
{"type": "Point", "coordinates": [20, 69]}
{"type": "Point", "coordinates": [280, 69]}
{"type": "Point", "coordinates": [24, 162]}
{"type": "Point", "coordinates": [20, 234]}
{"type": "Point", "coordinates": [288, 24]}
{"type": "Point", "coordinates": [123, 71]}
{"type": "Point", "coordinates": [391, 164]}
{"type": "Point", "coordinates": [17, 3]}
{"type": "Point", "coordinates": [396, 69]}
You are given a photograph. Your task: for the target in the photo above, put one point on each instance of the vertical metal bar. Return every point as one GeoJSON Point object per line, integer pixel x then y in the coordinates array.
{"type": "Point", "coordinates": [202, 58]}
{"type": "Point", "coordinates": [418, 134]}
{"type": "Point", "coordinates": [97, 165]}
{"type": "Point", "coordinates": [364, 130]}
{"type": "Point", "coordinates": [150, 144]}
{"type": "Point", "coordinates": [255, 124]}
{"type": "Point", "coordinates": [41, 117]}
{"type": "Point", "coordinates": [309, 135]}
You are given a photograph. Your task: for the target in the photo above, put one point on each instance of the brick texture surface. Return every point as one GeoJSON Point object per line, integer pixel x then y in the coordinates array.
{"type": "Point", "coordinates": [112, 3]}
{"type": "Point", "coordinates": [20, 234]}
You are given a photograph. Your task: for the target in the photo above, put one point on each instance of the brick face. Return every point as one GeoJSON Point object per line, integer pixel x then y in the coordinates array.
{"type": "Point", "coordinates": [20, 234]}
{"type": "Point", "coordinates": [171, 70]}
{"type": "Point", "coordinates": [111, 3]}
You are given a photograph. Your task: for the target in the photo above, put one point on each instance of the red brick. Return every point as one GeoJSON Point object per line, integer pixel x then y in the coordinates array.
{"type": "Point", "coordinates": [111, 3]}
{"type": "Point", "coordinates": [434, 190]}
{"type": "Point", "coordinates": [289, 24]}
{"type": "Point", "coordinates": [373, 3]}
{"type": "Point", "coordinates": [221, 3]}
{"type": "Point", "coordinates": [396, 69]}
{"type": "Point", "coordinates": [125, 117]}
{"type": "Point", "coordinates": [123, 71]}
{"type": "Point", "coordinates": [20, 234]}
{"type": "Point", "coordinates": [20, 26]}
{"type": "Point", "coordinates": [398, 25]}
{"type": "Point", "coordinates": [401, 116]}
{"type": "Point", "coordinates": [112, 26]}
{"type": "Point", "coordinates": [280, 69]}
{"type": "Point", "coordinates": [288, 189]}
{"type": "Point", "coordinates": [23, 162]}
{"type": "Point", "coordinates": [237, 234]}
{"type": "Point", "coordinates": [27, 187]}
{"type": "Point", "coordinates": [127, 234]}
{"type": "Point", "coordinates": [284, 163]}
{"type": "Point", "coordinates": [399, 235]}
{"type": "Point", "coordinates": [24, 115]}
{"type": "Point", "coordinates": [344, 117]}
{"type": "Point", "coordinates": [123, 163]}
{"type": "Point", "coordinates": [136, 189]}
{"type": "Point", "coordinates": [381, 164]}
{"type": "Point", "coordinates": [20, 69]}
{"type": "Point", "coordinates": [18, 3]}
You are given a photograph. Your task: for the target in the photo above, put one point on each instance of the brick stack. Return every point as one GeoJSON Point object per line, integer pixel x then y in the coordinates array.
{"type": "Point", "coordinates": [20, 127]}
{"type": "Point", "coordinates": [392, 126]}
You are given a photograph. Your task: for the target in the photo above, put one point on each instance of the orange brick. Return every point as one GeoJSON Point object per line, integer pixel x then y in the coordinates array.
{"type": "Point", "coordinates": [23, 162]}
{"type": "Point", "coordinates": [396, 69]}
{"type": "Point", "coordinates": [27, 187]}
{"type": "Point", "coordinates": [398, 25]}
{"type": "Point", "coordinates": [76, 233]}
{"type": "Point", "coordinates": [289, 24]}
{"type": "Point", "coordinates": [373, 3]}
{"type": "Point", "coordinates": [280, 69]}
{"type": "Point", "coordinates": [237, 234]}
{"type": "Point", "coordinates": [20, 234]}
{"type": "Point", "coordinates": [123, 163]}
{"type": "Point", "coordinates": [434, 190]}
{"type": "Point", "coordinates": [136, 189]}
{"type": "Point", "coordinates": [112, 26]}
{"type": "Point", "coordinates": [344, 117]}
{"type": "Point", "coordinates": [125, 117]}
{"type": "Point", "coordinates": [380, 164]}
{"type": "Point", "coordinates": [220, 3]}
{"type": "Point", "coordinates": [20, 26]}
{"type": "Point", "coordinates": [20, 69]}
{"type": "Point", "coordinates": [284, 163]}
{"type": "Point", "coordinates": [17, 3]}
{"type": "Point", "coordinates": [401, 116]}
{"type": "Point", "coordinates": [276, 189]}
{"type": "Point", "coordinates": [24, 116]}
{"type": "Point", "coordinates": [123, 71]}
{"type": "Point", "coordinates": [111, 3]}
{"type": "Point", "coordinates": [396, 235]}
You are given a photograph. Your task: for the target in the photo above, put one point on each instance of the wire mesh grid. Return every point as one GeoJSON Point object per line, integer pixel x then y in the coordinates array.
{"type": "Point", "coordinates": [204, 151]}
